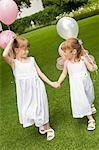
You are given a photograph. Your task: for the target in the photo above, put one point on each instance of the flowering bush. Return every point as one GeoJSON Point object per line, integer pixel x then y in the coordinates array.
{"type": "Point", "coordinates": [82, 12]}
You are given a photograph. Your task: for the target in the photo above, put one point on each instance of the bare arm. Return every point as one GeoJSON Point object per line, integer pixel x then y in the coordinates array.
{"type": "Point", "coordinates": [6, 56]}
{"type": "Point", "coordinates": [90, 66]}
{"type": "Point", "coordinates": [63, 75]}
{"type": "Point", "coordinates": [44, 78]}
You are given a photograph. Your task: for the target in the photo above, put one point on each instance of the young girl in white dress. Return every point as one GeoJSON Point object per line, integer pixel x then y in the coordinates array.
{"type": "Point", "coordinates": [81, 86]}
{"type": "Point", "coordinates": [31, 94]}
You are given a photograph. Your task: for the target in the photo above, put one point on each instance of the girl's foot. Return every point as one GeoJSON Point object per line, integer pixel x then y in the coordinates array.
{"type": "Point", "coordinates": [41, 130]}
{"type": "Point", "coordinates": [48, 130]}
{"type": "Point", "coordinates": [93, 109]}
{"type": "Point", "coordinates": [50, 134]}
{"type": "Point", "coordinates": [91, 125]}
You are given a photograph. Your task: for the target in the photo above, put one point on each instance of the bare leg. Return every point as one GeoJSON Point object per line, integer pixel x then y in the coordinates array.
{"type": "Point", "coordinates": [46, 126]}
{"type": "Point", "coordinates": [90, 117]}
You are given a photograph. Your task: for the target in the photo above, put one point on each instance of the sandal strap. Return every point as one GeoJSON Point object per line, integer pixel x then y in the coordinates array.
{"type": "Point", "coordinates": [91, 121]}
{"type": "Point", "coordinates": [49, 130]}
{"type": "Point", "coordinates": [91, 124]}
{"type": "Point", "coordinates": [41, 130]}
{"type": "Point", "coordinates": [50, 134]}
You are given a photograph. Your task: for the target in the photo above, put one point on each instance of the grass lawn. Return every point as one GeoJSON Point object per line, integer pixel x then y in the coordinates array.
{"type": "Point", "coordinates": [71, 134]}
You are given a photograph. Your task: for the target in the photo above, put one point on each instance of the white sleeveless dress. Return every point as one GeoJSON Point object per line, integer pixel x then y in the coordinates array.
{"type": "Point", "coordinates": [31, 94]}
{"type": "Point", "coordinates": [81, 89]}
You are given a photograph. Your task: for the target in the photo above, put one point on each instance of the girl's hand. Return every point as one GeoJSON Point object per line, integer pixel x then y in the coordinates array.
{"type": "Point", "coordinates": [12, 39]}
{"type": "Point", "coordinates": [55, 84]}
{"type": "Point", "coordinates": [91, 66]}
{"type": "Point", "coordinates": [95, 67]}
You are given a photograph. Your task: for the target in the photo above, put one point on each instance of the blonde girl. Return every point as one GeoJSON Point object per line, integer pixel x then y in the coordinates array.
{"type": "Point", "coordinates": [31, 94]}
{"type": "Point", "coordinates": [81, 86]}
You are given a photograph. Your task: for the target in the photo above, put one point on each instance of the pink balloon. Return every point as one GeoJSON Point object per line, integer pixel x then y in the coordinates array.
{"type": "Point", "coordinates": [60, 51]}
{"type": "Point", "coordinates": [60, 63]}
{"type": "Point", "coordinates": [8, 11]}
{"type": "Point", "coordinates": [5, 37]}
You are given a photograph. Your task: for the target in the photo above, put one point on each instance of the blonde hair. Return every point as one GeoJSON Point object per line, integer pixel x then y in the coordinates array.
{"type": "Point", "coordinates": [69, 44]}
{"type": "Point", "coordinates": [72, 44]}
{"type": "Point", "coordinates": [18, 42]}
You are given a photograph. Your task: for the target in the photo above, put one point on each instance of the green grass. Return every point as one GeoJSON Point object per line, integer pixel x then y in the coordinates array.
{"type": "Point", "coordinates": [71, 134]}
{"type": "Point", "coordinates": [93, 1]}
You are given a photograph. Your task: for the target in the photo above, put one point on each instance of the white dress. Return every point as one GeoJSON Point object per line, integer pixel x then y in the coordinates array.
{"type": "Point", "coordinates": [81, 89]}
{"type": "Point", "coordinates": [31, 94]}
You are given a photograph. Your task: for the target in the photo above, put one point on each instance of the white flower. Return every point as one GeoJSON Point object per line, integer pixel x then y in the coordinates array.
{"type": "Point", "coordinates": [80, 41]}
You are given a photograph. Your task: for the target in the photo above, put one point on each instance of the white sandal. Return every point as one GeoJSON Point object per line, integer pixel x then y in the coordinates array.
{"type": "Point", "coordinates": [41, 130]}
{"type": "Point", "coordinates": [50, 134]}
{"type": "Point", "coordinates": [91, 125]}
{"type": "Point", "coordinates": [93, 109]}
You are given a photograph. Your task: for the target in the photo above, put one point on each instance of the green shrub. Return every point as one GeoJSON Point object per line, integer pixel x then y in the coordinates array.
{"type": "Point", "coordinates": [82, 12]}
{"type": "Point", "coordinates": [44, 17]}
{"type": "Point", "coordinates": [50, 15]}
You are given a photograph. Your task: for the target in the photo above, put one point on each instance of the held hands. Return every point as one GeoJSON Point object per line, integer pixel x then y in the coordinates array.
{"type": "Point", "coordinates": [55, 84]}
{"type": "Point", "coordinates": [12, 39]}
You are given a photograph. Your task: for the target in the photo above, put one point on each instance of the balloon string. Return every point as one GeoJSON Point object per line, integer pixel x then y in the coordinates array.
{"type": "Point", "coordinates": [89, 59]}
{"type": "Point", "coordinates": [9, 27]}
{"type": "Point", "coordinates": [95, 76]}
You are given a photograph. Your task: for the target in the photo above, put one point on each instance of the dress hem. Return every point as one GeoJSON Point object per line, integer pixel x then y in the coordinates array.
{"type": "Point", "coordinates": [81, 116]}
{"type": "Point", "coordinates": [30, 124]}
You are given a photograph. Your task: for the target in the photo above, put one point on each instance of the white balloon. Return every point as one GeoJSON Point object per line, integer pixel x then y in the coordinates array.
{"type": "Point", "coordinates": [67, 27]}
{"type": "Point", "coordinates": [0, 27]}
